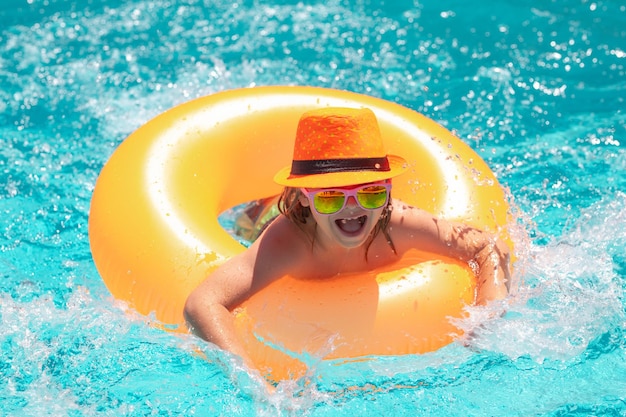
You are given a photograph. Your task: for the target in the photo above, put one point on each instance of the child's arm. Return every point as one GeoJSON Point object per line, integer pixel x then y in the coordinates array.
{"type": "Point", "coordinates": [487, 255]}
{"type": "Point", "coordinates": [208, 307]}
{"type": "Point", "coordinates": [494, 277]}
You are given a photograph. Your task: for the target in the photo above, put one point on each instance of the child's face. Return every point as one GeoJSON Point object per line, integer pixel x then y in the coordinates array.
{"type": "Point", "coordinates": [358, 210]}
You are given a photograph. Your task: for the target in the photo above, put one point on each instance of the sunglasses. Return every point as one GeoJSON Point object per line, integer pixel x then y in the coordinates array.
{"type": "Point", "coordinates": [332, 200]}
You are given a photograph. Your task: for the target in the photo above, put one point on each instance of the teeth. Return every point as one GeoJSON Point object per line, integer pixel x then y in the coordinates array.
{"type": "Point", "coordinates": [352, 224]}
{"type": "Point", "coordinates": [344, 221]}
{"type": "Point", "coordinates": [360, 219]}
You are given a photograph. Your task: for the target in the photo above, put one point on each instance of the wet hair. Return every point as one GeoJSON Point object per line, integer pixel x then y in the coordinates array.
{"type": "Point", "coordinates": [289, 205]}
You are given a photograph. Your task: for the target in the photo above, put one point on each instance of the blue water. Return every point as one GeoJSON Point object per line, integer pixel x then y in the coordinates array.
{"type": "Point", "coordinates": [536, 87]}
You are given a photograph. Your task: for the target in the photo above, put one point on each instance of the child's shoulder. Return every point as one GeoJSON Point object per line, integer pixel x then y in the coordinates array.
{"type": "Point", "coordinates": [284, 235]}
{"type": "Point", "coordinates": [283, 248]}
{"type": "Point", "coordinates": [407, 220]}
{"type": "Point", "coordinates": [406, 211]}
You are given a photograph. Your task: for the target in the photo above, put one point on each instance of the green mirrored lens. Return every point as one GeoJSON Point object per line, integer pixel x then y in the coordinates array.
{"type": "Point", "coordinates": [328, 202]}
{"type": "Point", "coordinates": [372, 197]}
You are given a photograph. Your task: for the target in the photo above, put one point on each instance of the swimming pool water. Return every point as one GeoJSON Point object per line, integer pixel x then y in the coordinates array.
{"type": "Point", "coordinates": [536, 88]}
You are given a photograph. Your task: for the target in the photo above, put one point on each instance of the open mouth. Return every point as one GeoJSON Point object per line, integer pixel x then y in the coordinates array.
{"type": "Point", "coordinates": [351, 225]}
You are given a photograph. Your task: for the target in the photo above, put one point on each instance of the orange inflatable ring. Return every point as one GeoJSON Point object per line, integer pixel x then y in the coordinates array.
{"type": "Point", "coordinates": [155, 236]}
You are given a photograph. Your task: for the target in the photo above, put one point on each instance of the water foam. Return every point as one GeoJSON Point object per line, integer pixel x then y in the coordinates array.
{"type": "Point", "coordinates": [569, 291]}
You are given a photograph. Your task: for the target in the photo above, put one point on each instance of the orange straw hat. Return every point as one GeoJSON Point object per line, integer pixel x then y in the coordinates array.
{"type": "Point", "coordinates": [336, 147]}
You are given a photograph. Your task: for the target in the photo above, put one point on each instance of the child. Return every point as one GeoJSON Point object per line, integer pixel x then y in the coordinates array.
{"type": "Point", "coordinates": [338, 217]}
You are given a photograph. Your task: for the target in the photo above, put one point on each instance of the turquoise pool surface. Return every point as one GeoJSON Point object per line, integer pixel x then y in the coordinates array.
{"type": "Point", "coordinates": [537, 88]}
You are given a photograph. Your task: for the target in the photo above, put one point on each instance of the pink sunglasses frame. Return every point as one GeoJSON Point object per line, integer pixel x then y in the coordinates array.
{"type": "Point", "coordinates": [349, 192]}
